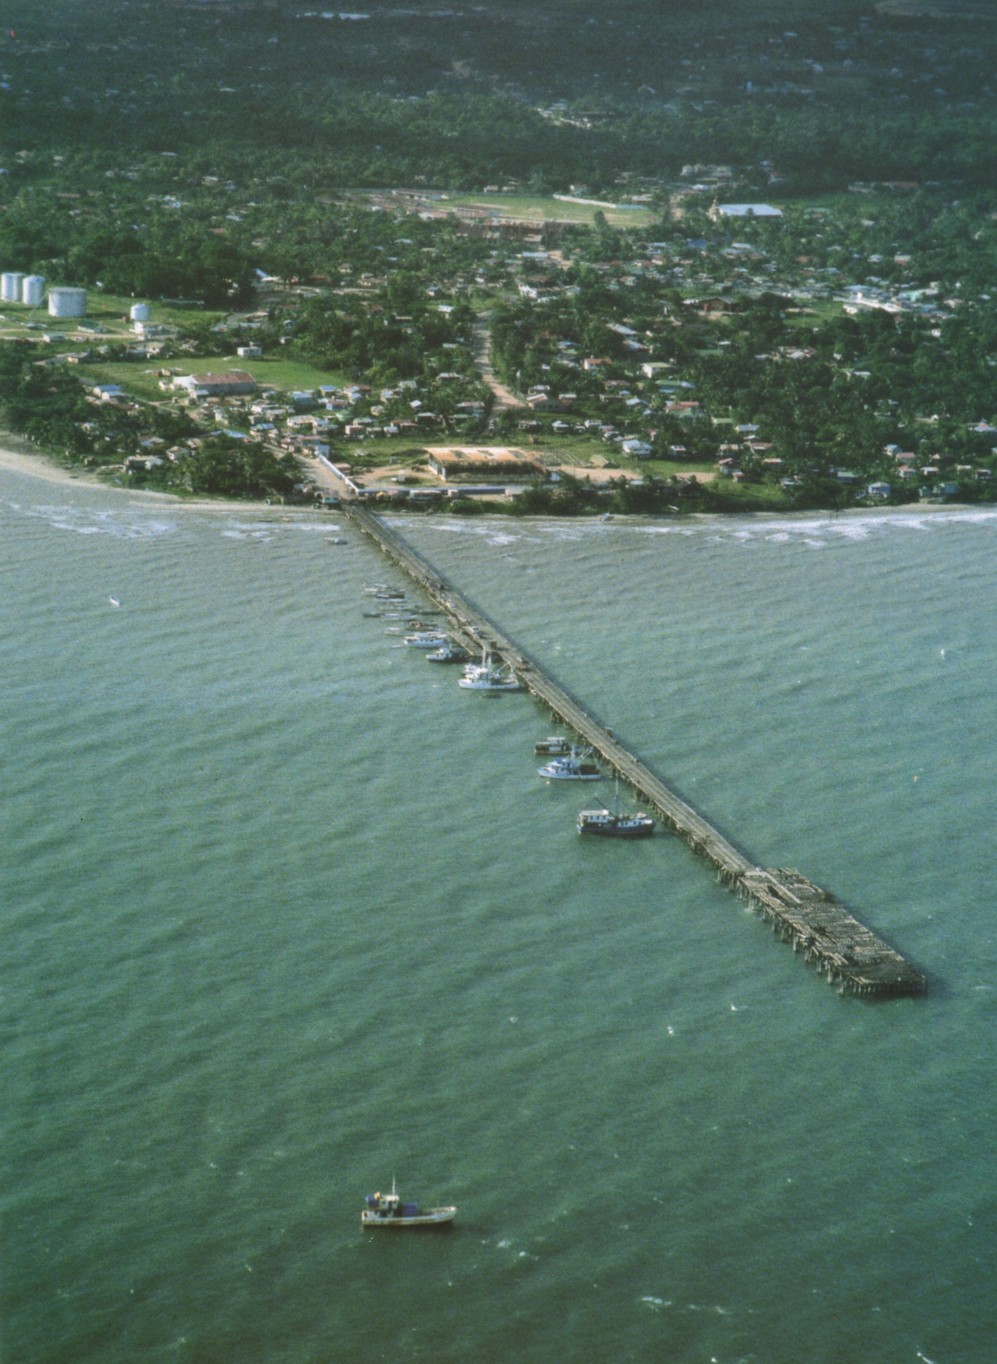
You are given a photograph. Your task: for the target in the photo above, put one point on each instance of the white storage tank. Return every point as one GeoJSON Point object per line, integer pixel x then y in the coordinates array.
{"type": "Point", "coordinates": [63, 302]}
{"type": "Point", "coordinates": [32, 290]}
{"type": "Point", "coordinates": [140, 312]}
{"type": "Point", "coordinates": [10, 286]}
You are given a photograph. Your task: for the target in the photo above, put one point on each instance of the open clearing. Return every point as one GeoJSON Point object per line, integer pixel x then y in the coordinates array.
{"type": "Point", "coordinates": [541, 209]}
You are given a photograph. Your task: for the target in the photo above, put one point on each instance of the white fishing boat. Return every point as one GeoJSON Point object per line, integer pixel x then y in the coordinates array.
{"type": "Point", "coordinates": [425, 639]}
{"type": "Point", "coordinates": [488, 676]}
{"type": "Point", "coordinates": [573, 766]}
{"type": "Point", "coordinates": [388, 1210]}
{"type": "Point", "coordinates": [448, 652]}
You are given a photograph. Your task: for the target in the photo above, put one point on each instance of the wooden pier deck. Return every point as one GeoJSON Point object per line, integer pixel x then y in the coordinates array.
{"type": "Point", "coordinates": [850, 955]}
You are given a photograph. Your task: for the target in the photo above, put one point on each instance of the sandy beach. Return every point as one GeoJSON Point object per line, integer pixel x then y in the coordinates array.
{"type": "Point", "coordinates": [21, 458]}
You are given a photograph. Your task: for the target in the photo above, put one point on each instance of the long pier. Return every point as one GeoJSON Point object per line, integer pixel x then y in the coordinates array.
{"type": "Point", "coordinates": [850, 955]}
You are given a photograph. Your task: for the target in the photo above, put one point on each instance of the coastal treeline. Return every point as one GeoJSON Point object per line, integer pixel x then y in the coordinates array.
{"type": "Point", "coordinates": [49, 407]}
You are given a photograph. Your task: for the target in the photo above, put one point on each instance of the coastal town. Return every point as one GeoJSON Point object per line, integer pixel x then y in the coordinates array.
{"type": "Point", "coordinates": [572, 349]}
{"type": "Point", "coordinates": [402, 255]}
{"type": "Point", "coordinates": [498, 504]}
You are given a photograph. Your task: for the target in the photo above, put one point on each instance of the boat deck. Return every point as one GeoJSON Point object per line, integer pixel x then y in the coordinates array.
{"type": "Point", "coordinates": [850, 955]}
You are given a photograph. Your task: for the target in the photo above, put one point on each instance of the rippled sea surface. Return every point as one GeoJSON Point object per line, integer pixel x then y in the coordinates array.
{"type": "Point", "coordinates": [287, 914]}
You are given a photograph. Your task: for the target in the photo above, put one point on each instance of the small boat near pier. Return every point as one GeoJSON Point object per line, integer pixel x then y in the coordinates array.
{"type": "Point", "coordinates": [612, 825]}
{"type": "Point", "coordinates": [554, 746]}
{"type": "Point", "coordinates": [573, 766]}
{"type": "Point", "coordinates": [425, 639]}
{"type": "Point", "coordinates": [449, 652]}
{"type": "Point", "coordinates": [489, 676]}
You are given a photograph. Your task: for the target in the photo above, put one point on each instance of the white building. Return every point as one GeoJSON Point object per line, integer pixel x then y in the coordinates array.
{"type": "Point", "coordinates": [32, 290]}
{"type": "Point", "coordinates": [745, 211]}
{"type": "Point", "coordinates": [10, 286]}
{"type": "Point", "coordinates": [67, 302]}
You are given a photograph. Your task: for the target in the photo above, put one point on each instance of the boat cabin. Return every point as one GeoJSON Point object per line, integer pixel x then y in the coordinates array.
{"type": "Point", "coordinates": [390, 1205]}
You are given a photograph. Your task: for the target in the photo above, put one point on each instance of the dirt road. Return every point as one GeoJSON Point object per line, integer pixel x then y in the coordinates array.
{"type": "Point", "coordinates": [504, 396]}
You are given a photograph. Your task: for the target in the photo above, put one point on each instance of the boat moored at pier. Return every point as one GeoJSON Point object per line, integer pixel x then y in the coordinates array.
{"type": "Point", "coordinates": [448, 652]}
{"type": "Point", "coordinates": [488, 676]}
{"type": "Point", "coordinates": [573, 766]}
{"type": "Point", "coordinates": [425, 639]}
{"type": "Point", "coordinates": [610, 824]}
{"type": "Point", "coordinates": [554, 746]}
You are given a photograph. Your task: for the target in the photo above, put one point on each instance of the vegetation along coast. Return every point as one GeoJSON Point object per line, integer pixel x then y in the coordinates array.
{"type": "Point", "coordinates": [749, 269]}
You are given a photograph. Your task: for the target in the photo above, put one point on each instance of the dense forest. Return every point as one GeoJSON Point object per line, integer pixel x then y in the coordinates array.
{"type": "Point", "coordinates": [462, 95]}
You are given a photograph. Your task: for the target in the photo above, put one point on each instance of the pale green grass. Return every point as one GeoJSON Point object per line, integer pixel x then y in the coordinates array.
{"type": "Point", "coordinates": [535, 208]}
{"type": "Point", "coordinates": [140, 379]}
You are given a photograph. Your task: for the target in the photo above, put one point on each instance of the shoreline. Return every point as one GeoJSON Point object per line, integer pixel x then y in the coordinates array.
{"type": "Point", "coordinates": [19, 457]}
{"type": "Point", "coordinates": [25, 460]}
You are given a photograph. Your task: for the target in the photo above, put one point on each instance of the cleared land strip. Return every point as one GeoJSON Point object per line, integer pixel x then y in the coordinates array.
{"type": "Point", "coordinates": [850, 955]}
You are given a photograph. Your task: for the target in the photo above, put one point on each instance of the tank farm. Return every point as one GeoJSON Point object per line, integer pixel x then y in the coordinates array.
{"type": "Point", "coordinates": [851, 956]}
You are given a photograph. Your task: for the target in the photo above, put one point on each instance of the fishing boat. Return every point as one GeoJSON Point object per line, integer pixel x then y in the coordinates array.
{"type": "Point", "coordinates": [448, 652]}
{"type": "Point", "coordinates": [573, 766]}
{"type": "Point", "coordinates": [554, 746]}
{"type": "Point", "coordinates": [612, 824]}
{"type": "Point", "coordinates": [488, 676]}
{"type": "Point", "coordinates": [425, 639]}
{"type": "Point", "coordinates": [388, 1210]}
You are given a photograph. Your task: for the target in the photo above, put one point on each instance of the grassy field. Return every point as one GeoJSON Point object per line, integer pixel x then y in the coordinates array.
{"type": "Point", "coordinates": [140, 379]}
{"type": "Point", "coordinates": [569, 451]}
{"type": "Point", "coordinates": [539, 209]}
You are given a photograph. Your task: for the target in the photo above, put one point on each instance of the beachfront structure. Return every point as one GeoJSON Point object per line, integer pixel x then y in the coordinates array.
{"type": "Point", "coordinates": [457, 462]}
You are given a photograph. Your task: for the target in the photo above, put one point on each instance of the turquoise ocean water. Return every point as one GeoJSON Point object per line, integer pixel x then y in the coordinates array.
{"type": "Point", "coordinates": [286, 913]}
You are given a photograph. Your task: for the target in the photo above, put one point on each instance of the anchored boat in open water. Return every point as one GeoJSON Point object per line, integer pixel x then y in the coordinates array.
{"type": "Point", "coordinates": [388, 1210]}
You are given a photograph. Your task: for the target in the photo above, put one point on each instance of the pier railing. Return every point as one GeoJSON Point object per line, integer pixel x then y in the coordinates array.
{"type": "Point", "coordinates": [850, 955]}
